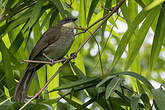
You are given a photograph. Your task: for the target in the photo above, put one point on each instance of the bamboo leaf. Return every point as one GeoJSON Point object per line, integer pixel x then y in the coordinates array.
{"type": "Point", "coordinates": [144, 97]}
{"type": "Point", "coordinates": [134, 102]}
{"type": "Point", "coordinates": [7, 67]}
{"type": "Point", "coordinates": [54, 15]}
{"type": "Point", "coordinates": [60, 7]}
{"type": "Point", "coordinates": [35, 13]}
{"type": "Point", "coordinates": [139, 77]}
{"type": "Point", "coordinates": [140, 3]}
{"type": "Point", "coordinates": [154, 4]}
{"type": "Point", "coordinates": [159, 97]}
{"type": "Point", "coordinates": [127, 36]}
{"type": "Point", "coordinates": [111, 87]}
{"type": "Point", "coordinates": [105, 80]}
{"type": "Point", "coordinates": [78, 71]}
{"type": "Point", "coordinates": [108, 4]}
{"type": "Point", "coordinates": [77, 83]}
{"type": "Point", "coordinates": [74, 103]}
{"type": "Point", "coordinates": [16, 43]}
{"type": "Point", "coordinates": [158, 38]}
{"type": "Point", "coordinates": [20, 20]}
{"type": "Point", "coordinates": [139, 37]}
{"type": "Point", "coordinates": [91, 10]}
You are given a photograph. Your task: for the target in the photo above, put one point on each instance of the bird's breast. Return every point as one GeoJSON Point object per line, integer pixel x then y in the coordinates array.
{"type": "Point", "coordinates": [59, 48]}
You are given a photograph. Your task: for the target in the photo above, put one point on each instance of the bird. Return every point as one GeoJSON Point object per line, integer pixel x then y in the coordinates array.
{"type": "Point", "coordinates": [53, 45]}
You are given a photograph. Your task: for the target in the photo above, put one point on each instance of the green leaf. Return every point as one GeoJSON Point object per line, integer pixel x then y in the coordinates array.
{"type": "Point", "coordinates": [20, 20]}
{"type": "Point", "coordinates": [111, 87]}
{"type": "Point", "coordinates": [7, 67]}
{"type": "Point", "coordinates": [140, 3]}
{"type": "Point", "coordinates": [3, 28]}
{"type": "Point", "coordinates": [125, 98]}
{"type": "Point", "coordinates": [47, 18]}
{"type": "Point", "coordinates": [144, 97]}
{"type": "Point", "coordinates": [54, 15]}
{"type": "Point", "coordinates": [108, 4]}
{"type": "Point", "coordinates": [105, 80]}
{"type": "Point", "coordinates": [16, 43]}
{"type": "Point", "coordinates": [154, 4]}
{"type": "Point", "coordinates": [35, 13]}
{"type": "Point", "coordinates": [73, 103]}
{"type": "Point", "coordinates": [77, 83]}
{"type": "Point", "coordinates": [158, 38]}
{"type": "Point", "coordinates": [60, 7]}
{"type": "Point", "coordinates": [139, 77]}
{"type": "Point", "coordinates": [132, 10]}
{"type": "Point", "coordinates": [127, 36]}
{"type": "Point", "coordinates": [139, 37]}
{"type": "Point", "coordinates": [82, 107]}
{"type": "Point", "coordinates": [9, 5]}
{"type": "Point", "coordinates": [91, 10]}
{"type": "Point", "coordinates": [78, 71]}
{"type": "Point", "coordinates": [134, 102]}
{"type": "Point", "coordinates": [159, 96]}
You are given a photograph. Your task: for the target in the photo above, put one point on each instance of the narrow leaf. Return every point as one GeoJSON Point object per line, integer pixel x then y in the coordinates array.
{"type": "Point", "coordinates": [60, 7]}
{"type": "Point", "coordinates": [91, 10]}
{"type": "Point", "coordinates": [127, 36]}
{"type": "Point", "coordinates": [139, 77]}
{"type": "Point", "coordinates": [154, 4]}
{"type": "Point", "coordinates": [77, 83]}
{"type": "Point", "coordinates": [158, 38]}
{"type": "Point", "coordinates": [108, 4]}
{"type": "Point", "coordinates": [73, 103]}
{"type": "Point", "coordinates": [35, 13]}
{"type": "Point", "coordinates": [105, 80]}
{"type": "Point", "coordinates": [7, 66]}
{"type": "Point", "coordinates": [16, 43]}
{"type": "Point", "coordinates": [111, 87]}
{"type": "Point", "coordinates": [159, 97]}
{"type": "Point", "coordinates": [134, 102]}
{"type": "Point", "coordinates": [139, 37]}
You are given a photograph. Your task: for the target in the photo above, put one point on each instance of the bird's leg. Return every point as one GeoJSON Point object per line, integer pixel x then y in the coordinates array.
{"type": "Point", "coordinates": [52, 61]}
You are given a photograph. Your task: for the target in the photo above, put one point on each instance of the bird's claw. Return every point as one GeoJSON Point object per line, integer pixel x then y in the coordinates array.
{"type": "Point", "coordinates": [23, 61]}
{"type": "Point", "coordinates": [52, 62]}
{"type": "Point", "coordinates": [73, 55]}
{"type": "Point", "coordinates": [63, 60]}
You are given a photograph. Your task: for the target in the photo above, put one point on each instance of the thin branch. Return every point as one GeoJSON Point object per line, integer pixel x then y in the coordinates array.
{"type": "Point", "coordinates": [101, 64]}
{"type": "Point", "coordinates": [44, 62]}
{"type": "Point", "coordinates": [35, 61]}
{"type": "Point", "coordinates": [104, 20]}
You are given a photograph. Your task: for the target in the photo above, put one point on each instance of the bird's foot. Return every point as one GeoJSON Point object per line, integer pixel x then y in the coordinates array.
{"type": "Point", "coordinates": [73, 55]}
{"type": "Point", "coordinates": [52, 62]}
{"type": "Point", "coordinates": [63, 60]}
{"type": "Point", "coordinates": [23, 61]}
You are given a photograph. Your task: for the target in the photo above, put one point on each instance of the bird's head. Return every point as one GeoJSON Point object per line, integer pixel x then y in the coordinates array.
{"type": "Point", "coordinates": [68, 22]}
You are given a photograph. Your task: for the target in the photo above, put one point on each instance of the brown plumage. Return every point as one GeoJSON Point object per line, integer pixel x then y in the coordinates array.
{"type": "Point", "coordinates": [55, 43]}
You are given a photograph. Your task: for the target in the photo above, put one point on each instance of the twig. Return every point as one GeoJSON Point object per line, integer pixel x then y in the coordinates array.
{"type": "Point", "coordinates": [75, 53]}
{"type": "Point", "coordinates": [44, 62]}
{"type": "Point", "coordinates": [105, 18]}
{"type": "Point", "coordinates": [35, 61]}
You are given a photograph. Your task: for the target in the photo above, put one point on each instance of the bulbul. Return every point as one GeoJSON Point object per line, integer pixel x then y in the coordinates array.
{"type": "Point", "coordinates": [53, 44]}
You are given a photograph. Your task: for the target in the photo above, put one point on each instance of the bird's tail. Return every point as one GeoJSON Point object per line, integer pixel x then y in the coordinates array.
{"type": "Point", "coordinates": [23, 85]}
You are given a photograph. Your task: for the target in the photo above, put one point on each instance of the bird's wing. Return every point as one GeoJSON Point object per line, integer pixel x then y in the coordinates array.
{"type": "Point", "coordinates": [49, 37]}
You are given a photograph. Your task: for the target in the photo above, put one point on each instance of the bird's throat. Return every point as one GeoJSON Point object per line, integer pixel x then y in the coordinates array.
{"type": "Point", "coordinates": [69, 25]}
